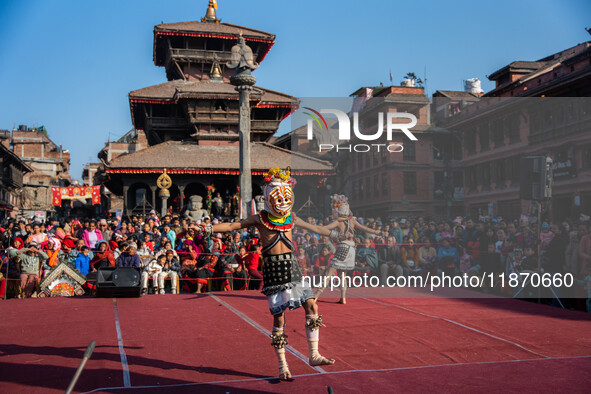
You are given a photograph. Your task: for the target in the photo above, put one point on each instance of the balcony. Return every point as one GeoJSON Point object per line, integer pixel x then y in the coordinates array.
{"type": "Point", "coordinates": [165, 123]}
{"type": "Point", "coordinates": [196, 55]}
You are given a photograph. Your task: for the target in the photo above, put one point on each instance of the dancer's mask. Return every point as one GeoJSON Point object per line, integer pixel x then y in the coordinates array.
{"type": "Point", "coordinates": [278, 192]}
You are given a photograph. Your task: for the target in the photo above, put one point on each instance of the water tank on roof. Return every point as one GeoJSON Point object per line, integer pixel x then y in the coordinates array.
{"type": "Point", "coordinates": [22, 127]}
{"type": "Point", "coordinates": [472, 85]}
{"type": "Point", "coordinates": [409, 83]}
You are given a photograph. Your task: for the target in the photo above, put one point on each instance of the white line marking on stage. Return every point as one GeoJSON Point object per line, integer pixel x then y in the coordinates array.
{"type": "Point", "coordinates": [461, 325]}
{"type": "Point", "coordinates": [338, 372]}
{"type": "Point", "coordinates": [256, 325]}
{"type": "Point", "coordinates": [126, 378]}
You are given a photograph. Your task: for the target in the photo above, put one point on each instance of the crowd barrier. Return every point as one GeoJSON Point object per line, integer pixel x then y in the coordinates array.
{"type": "Point", "coordinates": [417, 245]}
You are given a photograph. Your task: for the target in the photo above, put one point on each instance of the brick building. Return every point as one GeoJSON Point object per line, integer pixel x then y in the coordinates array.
{"type": "Point", "coordinates": [389, 184]}
{"type": "Point", "coordinates": [132, 141]}
{"type": "Point", "coordinates": [537, 108]}
{"type": "Point", "coordinates": [50, 165]}
{"type": "Point", "coordinates": [12, 172]}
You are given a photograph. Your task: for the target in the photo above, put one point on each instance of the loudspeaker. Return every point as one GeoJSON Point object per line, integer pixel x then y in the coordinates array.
{"type": "Point", "coordinates": [118, 282]}
{"type": "Point", "coordinates": [535, 178]}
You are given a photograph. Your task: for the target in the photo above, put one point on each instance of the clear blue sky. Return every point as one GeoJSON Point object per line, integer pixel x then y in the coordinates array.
{"type": "Point", "coordinates": [69, 65]}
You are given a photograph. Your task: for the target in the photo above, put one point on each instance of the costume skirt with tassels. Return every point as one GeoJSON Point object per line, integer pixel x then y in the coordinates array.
{"type": "Point", "coordinates": [282, 283]}
{"type": "Point", "coordinates": [344, 256]}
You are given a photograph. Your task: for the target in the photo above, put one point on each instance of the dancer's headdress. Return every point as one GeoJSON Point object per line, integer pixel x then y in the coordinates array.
{"type": "Point", "coordinates": [340, 206]}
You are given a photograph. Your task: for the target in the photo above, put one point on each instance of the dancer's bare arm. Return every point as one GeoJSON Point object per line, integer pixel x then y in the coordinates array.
{"type": "Point", "coordinates": [227, 227]}
{"type": "Point", "coordinates": [322, 230]}
{"type": "Point", "coordinates": [359, 226]}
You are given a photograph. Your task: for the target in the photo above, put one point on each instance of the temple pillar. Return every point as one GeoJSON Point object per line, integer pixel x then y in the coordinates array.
{"type": "Point", "coordinates": [164, 194]}
{"type": "Point", "coordinates": [181, 197]}
{"type": "Point", "coordinates": [153, 188]}
{"type": "Point", "coordinates": [125, 204]}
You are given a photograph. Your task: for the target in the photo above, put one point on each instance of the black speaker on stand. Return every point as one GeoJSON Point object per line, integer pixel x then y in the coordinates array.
{"type": "Point", "coordinates": [118, 282]}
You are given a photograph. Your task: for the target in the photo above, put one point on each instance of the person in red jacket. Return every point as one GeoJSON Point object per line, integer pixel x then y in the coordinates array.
{"type": "Point", "coordinates": [253, 261]}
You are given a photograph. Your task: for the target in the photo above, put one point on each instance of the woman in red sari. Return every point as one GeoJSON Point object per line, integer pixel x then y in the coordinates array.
{"type": "Point", "coordinates": [103, 257]}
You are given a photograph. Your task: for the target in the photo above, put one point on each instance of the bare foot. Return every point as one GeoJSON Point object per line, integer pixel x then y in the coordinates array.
{"type": "Point", "coordinates": [284, 374]}
{"type": "Point", "coordinates": [342, 301]}
{"type": "Point", "coordinates": [320, 360]}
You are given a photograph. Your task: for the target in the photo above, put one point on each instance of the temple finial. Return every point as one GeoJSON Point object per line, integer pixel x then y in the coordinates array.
{"type": "Point", "coordinates": [215, 74]}
{"type": "Point", "coordinates": [210, 16]}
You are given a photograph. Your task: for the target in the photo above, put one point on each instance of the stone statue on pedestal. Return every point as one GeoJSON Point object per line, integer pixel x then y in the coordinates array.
{"type": "Point", "coordinates": [196, 211]}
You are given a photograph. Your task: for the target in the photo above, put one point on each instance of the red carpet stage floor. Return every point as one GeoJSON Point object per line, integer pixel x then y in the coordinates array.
{"type": "Point", "coordinates": [218, 343]}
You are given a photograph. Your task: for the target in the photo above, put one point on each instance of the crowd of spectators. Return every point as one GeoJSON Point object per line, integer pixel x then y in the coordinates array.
{"type": "Point", "coordinates": [171, 247]}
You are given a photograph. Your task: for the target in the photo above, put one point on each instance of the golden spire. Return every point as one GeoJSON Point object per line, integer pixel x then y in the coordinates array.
{"type": "Point", "coordinates": [210, 16]}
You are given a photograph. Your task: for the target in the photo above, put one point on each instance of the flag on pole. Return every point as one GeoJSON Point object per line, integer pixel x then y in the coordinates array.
{"type": "Point", "coordinates": [215, 4]}
{"type": "Point", "coordinates": [391, 76]}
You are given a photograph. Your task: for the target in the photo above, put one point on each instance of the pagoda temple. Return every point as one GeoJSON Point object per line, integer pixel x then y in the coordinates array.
{"type": "Point", "coordinates": [191, 121]}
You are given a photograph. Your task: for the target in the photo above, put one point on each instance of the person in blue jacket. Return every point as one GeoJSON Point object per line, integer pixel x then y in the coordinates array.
{"type": "Point", "coordinates": [83, 261]}
{"type": "Point", "coordinates": [448, 257]}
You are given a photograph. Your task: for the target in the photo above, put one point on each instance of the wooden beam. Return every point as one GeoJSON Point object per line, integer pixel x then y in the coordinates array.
{"type": "Point", "coordinates": [180, 70]}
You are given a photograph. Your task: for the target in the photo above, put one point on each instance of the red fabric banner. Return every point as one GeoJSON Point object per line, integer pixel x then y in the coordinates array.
{"type": "Point", "coordinates": [76, 192]}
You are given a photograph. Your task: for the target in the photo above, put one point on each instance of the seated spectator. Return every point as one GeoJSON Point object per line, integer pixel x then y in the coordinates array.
{"type": "Point", "coordinates": [38, 236]}
{"type": "Point", "coordinates": [514, 261]}
{"type": "Point", "coordinates": [467, 265]}
{"type": "Point", "coordinates": [148, 245]}
{"type": "Point", "coordinates": [160, 244]}
{"type": "Point", "coordinates": [165, 248]}
{"type": "Point", "coordinates": [427, 256]}
{"type": "Point", "coordinates": [168, 233]}
{"type": "Point", "coordinates": [145, 253]}
{"type": "Point", "coordinates": [530, 259]}
{"type": "Point", "coordinates": [82, 262]}
{"type": "Point", "coordinates": [448, 258]}
{"type": "Point", "coordinates": [65, 238]}
{"type": "Point", "coordinates": [325, 241]}
{"type": "Point", "coordinates": [152, 270]}
{"type": "Point", "coordinates": [17, 244]}
{"type": "Point", "coordinates": [189, 256]}
{"type": "Point", "coordinates": [103, 257]}
{"type": "Point", "coordinates": [490, 262]}
{"type": "Point", "coordinates": [239, 270]}
{"type": "Point", "coordinates": [409, 255]}
{"type": "Point", "coordinates": [92, 235]}
{"type": "Point", "coordinates": [546, 235]}
{"type": "Point", "coordinates": [55, 255]}
{"type": "Point", "coordinates": [323, 260]}
{"type": "Point", "coordinates": [254, 261]}
{"type": "Point", "coordinates": [389, 255]}
{"type": "Point", "coordinates": [367, 258]}
{"type": "Point", "coordinates": [129, 257]}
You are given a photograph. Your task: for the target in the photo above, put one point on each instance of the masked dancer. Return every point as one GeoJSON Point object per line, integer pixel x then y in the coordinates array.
{"type": "Point", "coordinates": [343, 260]}
{"type": "Point", "coordinates": [282, 276]}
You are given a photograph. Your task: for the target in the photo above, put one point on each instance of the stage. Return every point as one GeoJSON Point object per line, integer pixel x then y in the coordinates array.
{"type": "Point", "coordinates": [218, 342]}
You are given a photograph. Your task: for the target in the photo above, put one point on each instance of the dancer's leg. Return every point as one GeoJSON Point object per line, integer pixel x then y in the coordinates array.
{"type": "Point", "coordinates": [279, 341]}
{"type": "Point", "coordinates": [328, 272]}
{"type": "Point", "coordinates": [313, 323]}
{"type": "Point", "coordinates": [343, 299]}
